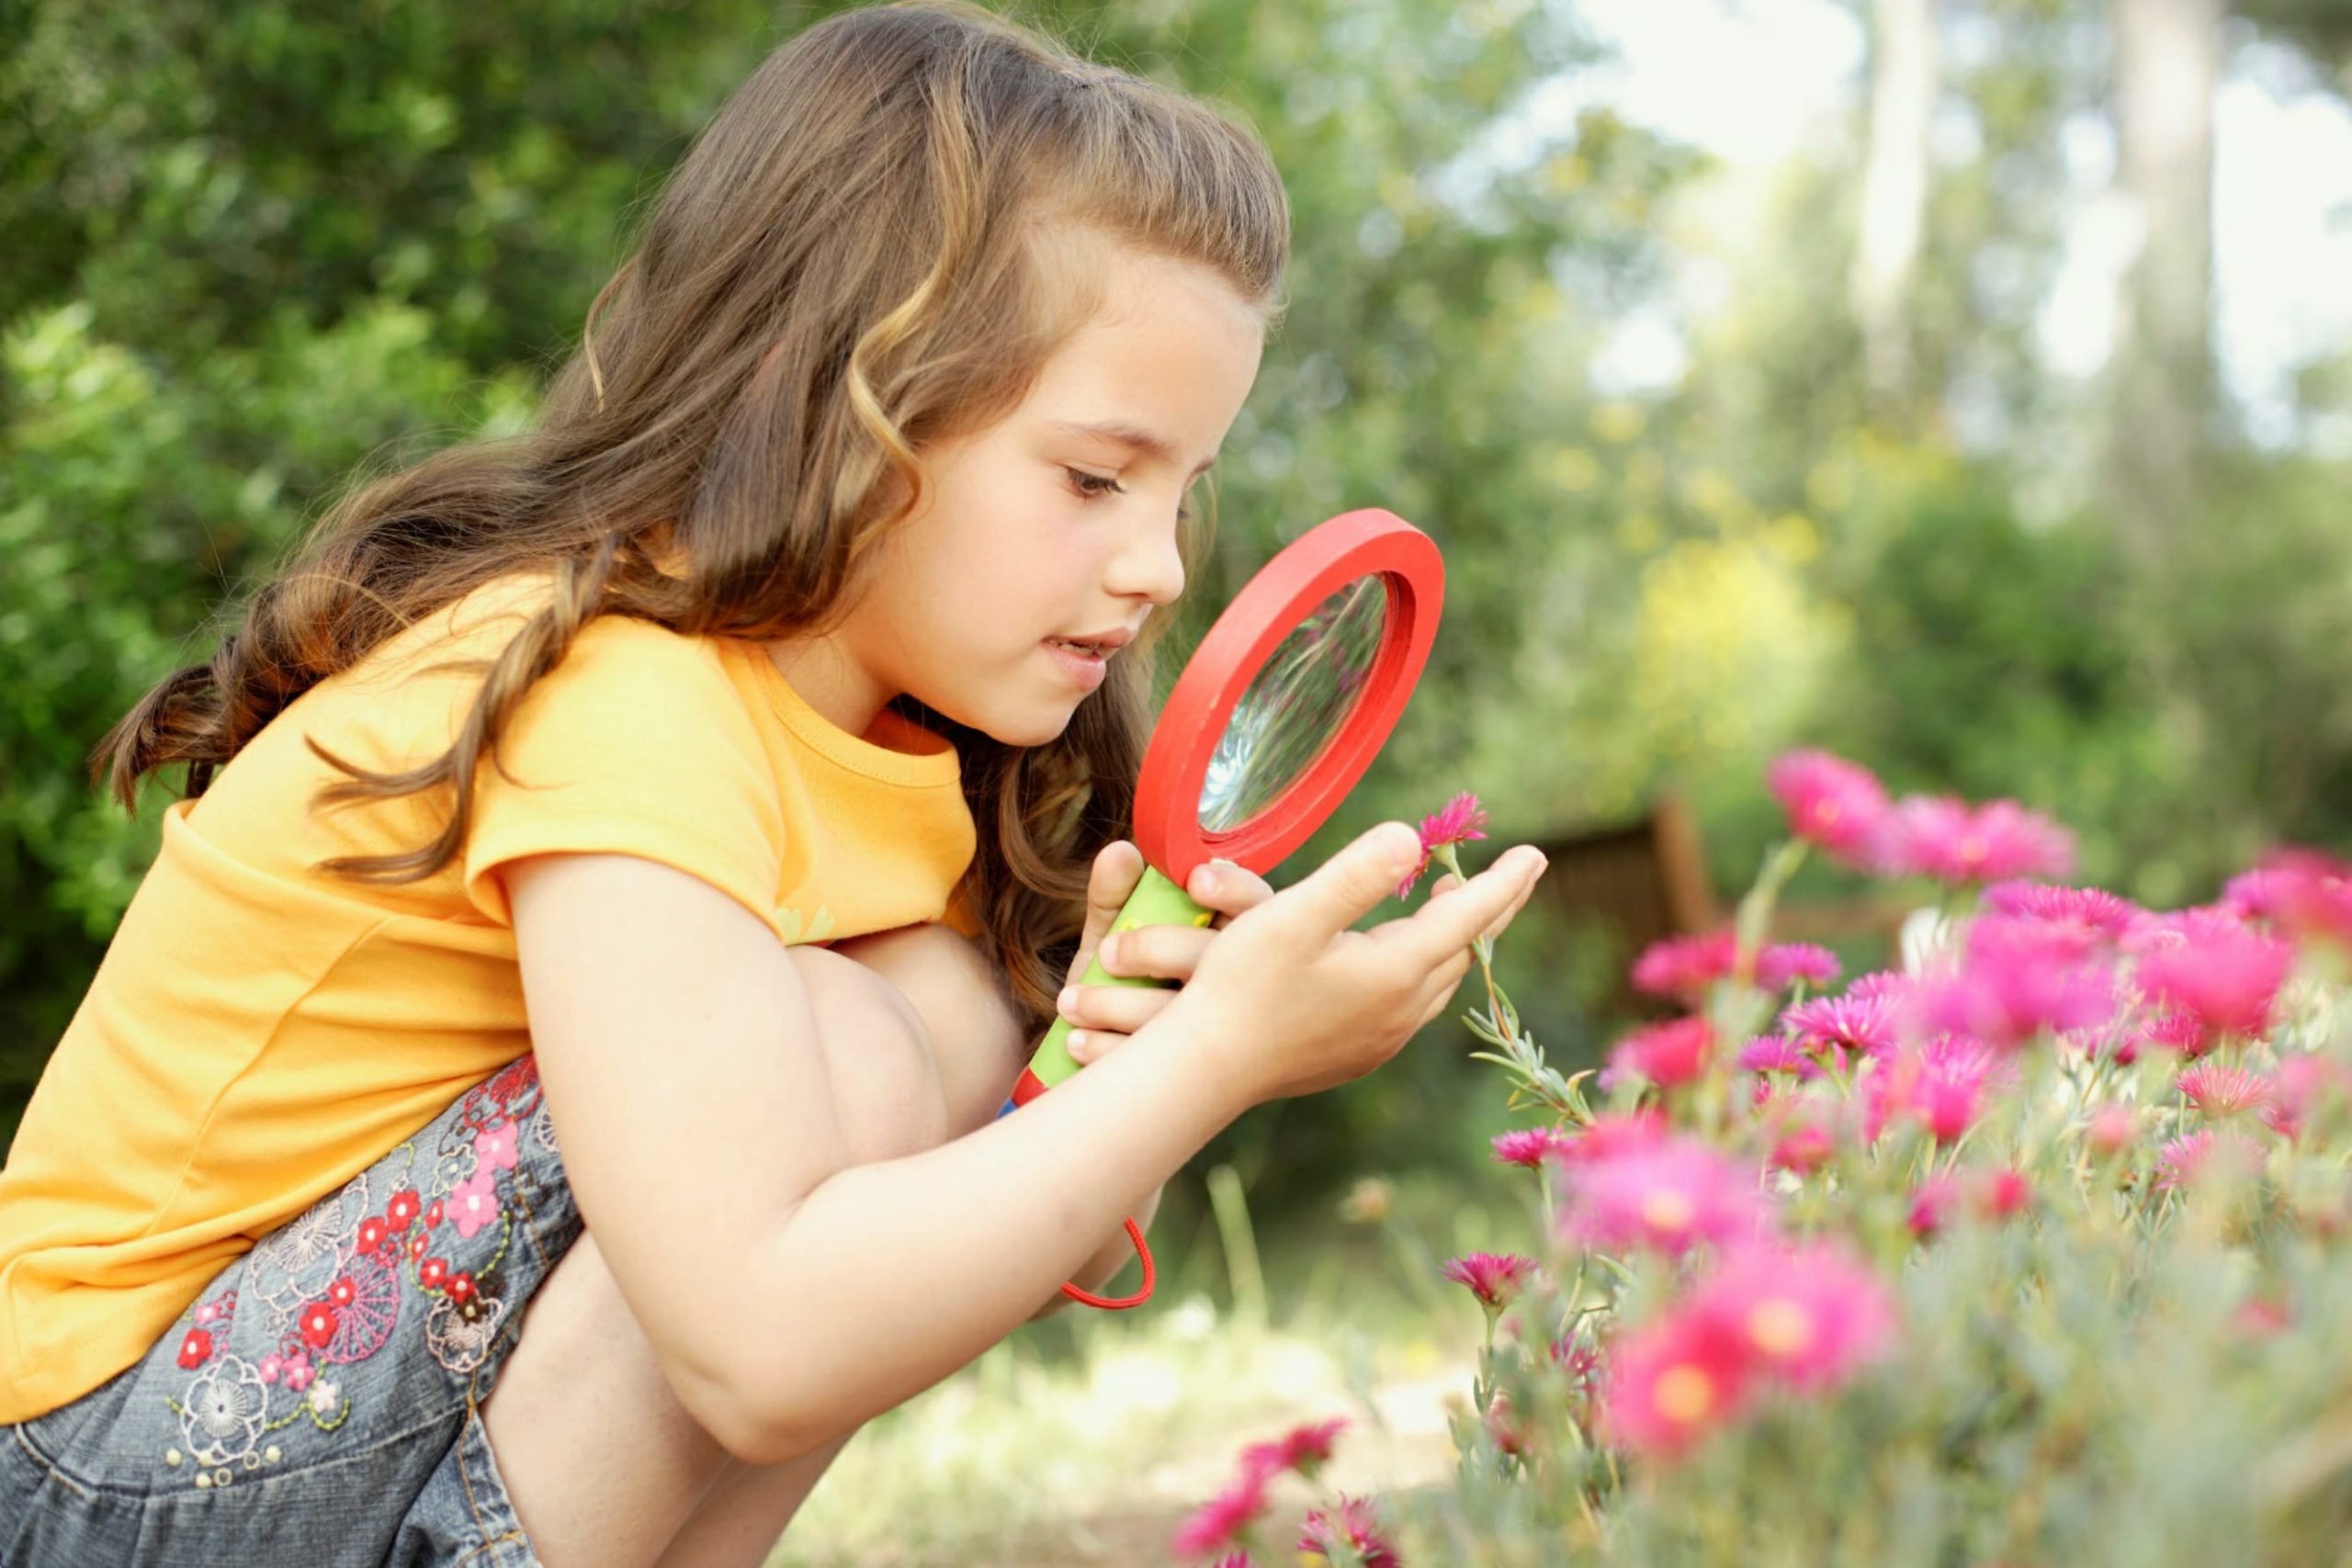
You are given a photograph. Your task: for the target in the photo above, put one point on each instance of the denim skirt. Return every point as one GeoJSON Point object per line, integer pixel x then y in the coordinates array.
{"type": "Point", "coordinates": [320, 1402]}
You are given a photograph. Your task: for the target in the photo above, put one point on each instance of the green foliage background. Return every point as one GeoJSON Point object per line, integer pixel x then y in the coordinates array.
{"type": "Point", "coordinates": [254, 250]}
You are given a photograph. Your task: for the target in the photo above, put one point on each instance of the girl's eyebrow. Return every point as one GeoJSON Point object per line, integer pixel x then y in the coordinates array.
{"type": "Point", "coordinates": [1132, 437]}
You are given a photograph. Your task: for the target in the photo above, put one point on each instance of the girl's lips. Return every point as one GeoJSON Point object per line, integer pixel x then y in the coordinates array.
{"type": "Point", "coordinates": [1085, 671]}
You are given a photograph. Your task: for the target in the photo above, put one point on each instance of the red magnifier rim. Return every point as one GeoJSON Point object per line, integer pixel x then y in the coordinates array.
{"type": "Point", "coordinates": [1270, 606]}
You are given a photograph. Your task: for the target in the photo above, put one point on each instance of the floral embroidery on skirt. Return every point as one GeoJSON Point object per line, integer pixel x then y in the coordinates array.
{"type": "Point", "coordinates": [431, 1226]}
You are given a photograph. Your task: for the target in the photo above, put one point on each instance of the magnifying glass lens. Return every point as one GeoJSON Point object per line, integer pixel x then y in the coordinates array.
{"type": "Point", "coordinates": [1299, 699]}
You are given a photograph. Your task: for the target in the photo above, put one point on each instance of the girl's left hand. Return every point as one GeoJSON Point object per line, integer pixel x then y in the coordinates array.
{"type": "Point", "coordinates": [1104, 1016]}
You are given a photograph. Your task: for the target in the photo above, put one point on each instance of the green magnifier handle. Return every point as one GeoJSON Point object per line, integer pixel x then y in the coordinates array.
{"type": "Point", "coordinates": [1156, 901]}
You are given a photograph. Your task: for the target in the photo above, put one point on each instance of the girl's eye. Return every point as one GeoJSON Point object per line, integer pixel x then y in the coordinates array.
{"type": "Point", "coordinates": [1094, 484]}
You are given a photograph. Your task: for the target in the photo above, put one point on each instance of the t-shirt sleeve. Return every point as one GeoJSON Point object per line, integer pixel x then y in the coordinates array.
{"type": "Point", "coordinates": [636, 743]}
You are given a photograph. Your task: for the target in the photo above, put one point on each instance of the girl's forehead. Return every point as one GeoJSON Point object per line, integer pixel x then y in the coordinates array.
{"type": "Point", "coordinates": [1161, 365]}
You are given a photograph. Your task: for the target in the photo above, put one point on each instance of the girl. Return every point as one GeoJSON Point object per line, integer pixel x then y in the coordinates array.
{"type": "Point", "coordinates": [538, 1103]}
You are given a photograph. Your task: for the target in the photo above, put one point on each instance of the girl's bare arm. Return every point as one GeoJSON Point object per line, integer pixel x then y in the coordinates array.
{"type": "Point", "coordinates": [791, 1296]}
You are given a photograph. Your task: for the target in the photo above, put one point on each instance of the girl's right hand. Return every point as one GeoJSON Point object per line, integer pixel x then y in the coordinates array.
{"type": "Point", "coordinates": [1290, 999]}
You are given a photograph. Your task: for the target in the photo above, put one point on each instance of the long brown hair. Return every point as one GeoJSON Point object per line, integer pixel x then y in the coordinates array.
{"type": "Point", "coordinates": [843, 267]}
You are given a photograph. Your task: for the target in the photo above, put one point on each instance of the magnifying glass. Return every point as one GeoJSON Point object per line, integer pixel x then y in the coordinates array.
{"type": "Point", "coordinates": [1278, 714]}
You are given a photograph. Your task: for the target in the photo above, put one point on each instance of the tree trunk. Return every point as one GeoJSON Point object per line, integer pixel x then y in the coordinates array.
{"type": "Point", "coordinates": [1894, 194]}
{"type": "Point", "coordinates": [2167, 62]}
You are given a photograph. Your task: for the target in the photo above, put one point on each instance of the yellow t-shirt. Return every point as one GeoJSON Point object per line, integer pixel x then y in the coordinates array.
{"type": "Point", "coordinates": [258, 1033]}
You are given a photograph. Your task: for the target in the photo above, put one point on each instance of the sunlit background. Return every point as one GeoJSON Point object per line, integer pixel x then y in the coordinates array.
{"type": "Point", "coordinates": [1965, 386]}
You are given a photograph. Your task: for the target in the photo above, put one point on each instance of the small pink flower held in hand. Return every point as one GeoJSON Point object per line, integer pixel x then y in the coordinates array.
{"type": "Point", "coordinates": [1461, 822]}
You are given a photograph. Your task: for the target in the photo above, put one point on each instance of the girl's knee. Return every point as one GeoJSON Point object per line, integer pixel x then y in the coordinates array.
{"type": "Point", "coordinates": [888, 1098]}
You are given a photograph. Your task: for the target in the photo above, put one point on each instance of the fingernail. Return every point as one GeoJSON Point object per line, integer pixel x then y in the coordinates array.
{"type": "Point", "coordinates": [1078, 1044]}
{"type": "Point", "coordinates": [1067, 1000]}
{"type": "Point", "coordinates": [1108, 951]}
{"type": "Point", "coordinates": [1204, 880]}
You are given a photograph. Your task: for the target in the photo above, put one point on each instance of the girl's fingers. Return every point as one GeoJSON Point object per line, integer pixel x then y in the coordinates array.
{"type": "Point", "coordinates": [1228, 889]}
{"type": "Point", "coordinates": [1119, 1010]}
{"type": "Point", "coordinates": [1118, 867]}
{"type": "Point", "coordinates": [1157, 953]}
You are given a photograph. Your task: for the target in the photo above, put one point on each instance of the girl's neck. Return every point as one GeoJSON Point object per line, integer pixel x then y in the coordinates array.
{"type": "Point", "coordinates": [832, 682]}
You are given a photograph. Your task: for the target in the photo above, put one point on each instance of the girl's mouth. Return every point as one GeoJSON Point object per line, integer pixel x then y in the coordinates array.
{"type": "Point", "coordinates": [1083, 662]}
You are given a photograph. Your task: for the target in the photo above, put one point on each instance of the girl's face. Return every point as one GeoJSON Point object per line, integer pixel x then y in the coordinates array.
{"type": "Point", "coordinates": [1048, 537]}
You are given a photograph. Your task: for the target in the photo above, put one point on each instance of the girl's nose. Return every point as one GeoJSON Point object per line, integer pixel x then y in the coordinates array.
{"type": "Point", "coordinates": [1148, 565]}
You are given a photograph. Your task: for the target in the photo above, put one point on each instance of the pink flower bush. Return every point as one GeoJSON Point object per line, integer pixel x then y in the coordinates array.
{"type": "Point", "coordinates": [2077, 1166]}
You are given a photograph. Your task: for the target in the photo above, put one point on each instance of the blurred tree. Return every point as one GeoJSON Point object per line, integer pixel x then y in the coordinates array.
{"type": "Point", "coordinates": [1903, 92]}
{"type": "Point", "coordinates": [2167, 65]}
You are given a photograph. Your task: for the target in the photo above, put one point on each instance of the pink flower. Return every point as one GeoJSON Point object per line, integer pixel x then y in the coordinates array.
{"type": "Point", "coordinates": [1530, 1147]}
{"type": "Point", "coordinates": [2308, 893]}
{"type": "Point", "coordinates": [1990, 1195]}
{"type": "Point", "coordinates": [2299, 1084]}
{"type": "Point", "coordinates": [1668, 1055]}
{"type": "Point", "coordinates": [2091, 910]}
{"type": "Point", "coordinates": [1804, 1145]}
{"type": "Point", "coordinates": [2222, 974]}
{"type": "Point", "coordinates": [298, 1371]}
{"type": "Point", "coordinates": [2112, 1128]}
{"type": "Point", "coordinates": [2173, 1031]}
{"type": "Point", "coordinates": [1830, 802]}
{"type": "Point", "coordinates": [1777, 1053]}
{"type": "Point", "coordinates": [271, 1365]}
{"type": "Point", "coordinates": [1236, 1560]}
{"type": "Point", "coordinates": [2018, 978]}
{"type": "Point", "coordinates": [2004, 1193]}
{"type": "Point", "coordinates": [1670, 1195]}
{"type": "Point", "coordinates": [1685, 965]}
{"type": "Point", "coordinates": [1302, 1448]}
{"type": "Point", "coordinates": [1215, 1526]}
{"type": "Point", "coordinates": [2218, 1089]}
{"type": "Point", "coordinates": [1945, 838]}
{"type": "Point", "coordinates": [1494, 1277]}
{"type": "Point", "coordinates": [1674, 1382]}
{"type": "Point", "coordinates": [1942, 1086]}
{"type": "Point", "coordinates": [2185, 1160]}
{"type": "Point", "coordinates": [1353, 1523]}
{"type": "Point", "coordinates": [494, 1147]}
{"type": "Point", "coordinates": [1808, 1314]}
{"type": "Point", "coordinates": [1460, 822]}
{"type": "Point", "coordinates": [1866, 1021]}
{"type": "Point", "coordinates": [1608, 1137]}
{"type": "Point", "coordinates": [473, 1203]}
{"type": "Point", "coordinates": [1780, 967]}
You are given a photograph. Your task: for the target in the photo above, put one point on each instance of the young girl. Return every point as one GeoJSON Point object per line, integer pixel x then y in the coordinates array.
{"type": "Point", "coordinates": [704, 787]}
